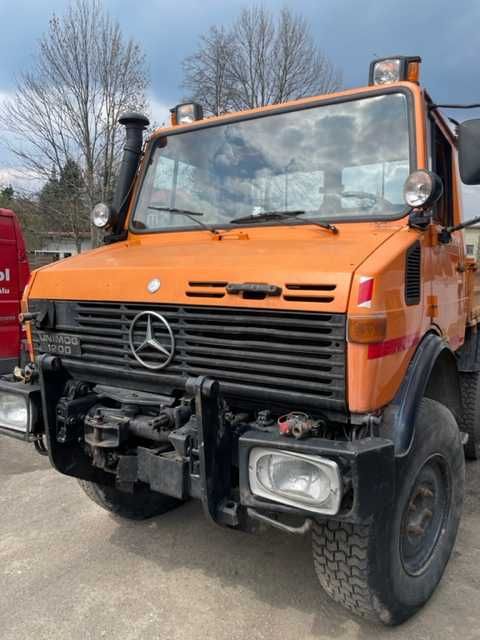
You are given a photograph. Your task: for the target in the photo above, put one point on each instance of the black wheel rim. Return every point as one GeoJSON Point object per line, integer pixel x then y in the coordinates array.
{"type": "Point", "coordinates": [425, 515]}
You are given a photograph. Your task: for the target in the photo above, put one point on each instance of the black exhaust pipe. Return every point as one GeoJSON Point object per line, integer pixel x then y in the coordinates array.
{"type": "Point", "coordinates": [135, 124]}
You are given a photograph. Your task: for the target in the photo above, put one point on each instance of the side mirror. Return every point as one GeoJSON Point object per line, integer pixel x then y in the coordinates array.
{"type": "Point", "coordinates": [469, 151]}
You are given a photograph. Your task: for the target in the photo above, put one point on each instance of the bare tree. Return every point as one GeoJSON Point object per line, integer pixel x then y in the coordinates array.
{"type": "Point", "coordinates": [207, 73]}
{"type": "Point", "coordinates": [262, 59]}
{"type": "Point", "coordinates": [66, 108]}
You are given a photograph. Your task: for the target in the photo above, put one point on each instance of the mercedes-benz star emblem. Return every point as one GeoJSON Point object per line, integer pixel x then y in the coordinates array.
{"type": "Point", "coordinates": [153, 285]}
{"type": "Point", "coordinates": [151, 339]}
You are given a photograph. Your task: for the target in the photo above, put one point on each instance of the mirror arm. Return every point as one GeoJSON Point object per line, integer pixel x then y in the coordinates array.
{"type": "Point", "coordinates": [462, 225]}
{"type": "Point", "coordinates": [445, 234]}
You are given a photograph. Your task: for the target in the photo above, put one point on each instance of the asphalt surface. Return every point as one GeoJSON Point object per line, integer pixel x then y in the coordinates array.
{"type": "Point", "coordinates": [69, 570]}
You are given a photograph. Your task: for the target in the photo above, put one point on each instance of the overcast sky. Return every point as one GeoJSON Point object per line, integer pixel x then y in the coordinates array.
{"type": "Point", "coordinates": [351, 32]}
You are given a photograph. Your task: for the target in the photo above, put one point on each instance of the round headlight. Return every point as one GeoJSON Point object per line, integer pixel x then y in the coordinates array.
{"type": "Point", "coordinates": [101, 215]}
{"type": "Point", "coordinates": [422, 188]}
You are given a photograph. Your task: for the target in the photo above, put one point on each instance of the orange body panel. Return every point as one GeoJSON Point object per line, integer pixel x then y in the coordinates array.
{"type": "Point", "coordinates": [281, 255]}
{"type": "Point", "coordinates": [380, 377]}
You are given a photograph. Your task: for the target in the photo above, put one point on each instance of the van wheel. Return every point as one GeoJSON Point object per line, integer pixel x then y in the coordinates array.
{"type": "Point", "coordinates": [388, 569]}
{"type": "Point", "coordinates": [142, 503]}
{"type": "Point", "coordinates": [470, 420]}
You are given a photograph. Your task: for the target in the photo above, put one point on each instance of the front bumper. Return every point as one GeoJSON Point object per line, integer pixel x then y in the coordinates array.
{"type": "Point", "coordinates": [368, 470]}
{"type": "Point", "coordinates": [201, 464]}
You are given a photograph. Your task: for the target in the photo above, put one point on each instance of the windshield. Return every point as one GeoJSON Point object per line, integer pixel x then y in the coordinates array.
{"type": "Point", "coordinates": [337, 161]}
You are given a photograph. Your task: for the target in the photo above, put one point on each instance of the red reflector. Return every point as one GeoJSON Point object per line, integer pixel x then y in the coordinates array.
{"type": "Point", "coordinates": [389, 347]}
{"type": "Point", "coordinates": [365, 292]}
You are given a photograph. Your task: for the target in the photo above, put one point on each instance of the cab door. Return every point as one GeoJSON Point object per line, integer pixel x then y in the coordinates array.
{"type": "Point", "coordinates": [447, 301]}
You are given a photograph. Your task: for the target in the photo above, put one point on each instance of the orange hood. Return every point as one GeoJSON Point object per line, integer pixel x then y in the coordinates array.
{"type": "Point", "coordinates": [311, 265]}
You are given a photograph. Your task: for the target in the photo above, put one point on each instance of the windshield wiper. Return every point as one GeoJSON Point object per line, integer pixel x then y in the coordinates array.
{"type": "Point", "coordinates": [193, 215]}
{"type": "Point", "coordinates": [282, 215]}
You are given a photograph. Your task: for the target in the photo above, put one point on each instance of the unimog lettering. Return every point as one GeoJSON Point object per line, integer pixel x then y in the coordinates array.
{"type": "Point", "coordinates": [60, 344]}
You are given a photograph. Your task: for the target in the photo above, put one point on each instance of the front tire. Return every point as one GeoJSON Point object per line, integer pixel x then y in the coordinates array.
{"type": "Point", "coordinates": [388, 569]}
{"type": "Point", "coordinates": [139, 505]}
{"type": "Point", "coordinates": [470, 419]}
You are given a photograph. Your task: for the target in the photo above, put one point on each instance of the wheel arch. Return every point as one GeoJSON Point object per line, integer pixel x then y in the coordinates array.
{"type": "Point", "coordinates": [432, 373]}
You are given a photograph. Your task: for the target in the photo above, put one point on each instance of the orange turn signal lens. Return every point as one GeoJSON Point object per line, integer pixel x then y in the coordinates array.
{"type": "Point", "coordinates": [413, 72]}
{"type": "Point", "coordinates": [367, 329]}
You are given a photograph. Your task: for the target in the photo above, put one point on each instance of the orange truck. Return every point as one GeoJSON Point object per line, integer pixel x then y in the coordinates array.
{"type": "Point", "coordinates": [282, 324]}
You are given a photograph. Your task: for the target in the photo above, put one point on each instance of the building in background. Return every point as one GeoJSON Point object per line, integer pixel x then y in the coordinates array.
{"type": "Point", "coordinates": [57, 245]}
{"type": "Point", "coordinates": [472, 241]}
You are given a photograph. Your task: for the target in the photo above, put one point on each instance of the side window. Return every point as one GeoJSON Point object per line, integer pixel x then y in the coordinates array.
{"type": "Point", "coordinates": [442, 165]}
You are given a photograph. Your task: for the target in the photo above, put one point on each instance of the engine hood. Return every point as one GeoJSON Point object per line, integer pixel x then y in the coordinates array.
{"type": "Point", "coordinates": [312, 266]}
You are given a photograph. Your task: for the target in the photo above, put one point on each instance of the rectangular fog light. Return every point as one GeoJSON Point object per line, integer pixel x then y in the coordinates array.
{"type": "Point", "coordinates": [311, 483]}
{"type": "Point", "coordinates": [15, 412]}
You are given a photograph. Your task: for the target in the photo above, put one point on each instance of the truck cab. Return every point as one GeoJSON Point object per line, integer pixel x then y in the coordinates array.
{"type": "Point", "coordinates": [14, 275]}
{"type": "Point", "coordinates": [282, 324]}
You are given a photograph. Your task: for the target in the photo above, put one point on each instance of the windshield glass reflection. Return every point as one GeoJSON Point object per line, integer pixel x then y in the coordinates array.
{"type": "Point", "coordinates": [340, 161]}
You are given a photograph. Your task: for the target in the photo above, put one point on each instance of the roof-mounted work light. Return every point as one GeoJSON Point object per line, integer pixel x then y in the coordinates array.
{"type": "Point", "coordinates": [186, 113]}
{"type": "Point", "coordinates": [394, 69]}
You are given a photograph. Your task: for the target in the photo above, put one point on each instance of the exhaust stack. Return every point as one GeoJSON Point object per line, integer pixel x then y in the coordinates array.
{"type": "Point", "coordinates": [135, 124]}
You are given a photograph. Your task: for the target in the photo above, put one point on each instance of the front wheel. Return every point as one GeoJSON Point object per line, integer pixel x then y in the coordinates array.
{"type": "Point", "coordinates": [389, 568]}
{"type": "Point", "coordinates": [470, 418]}
{"type": "Point", "coordinates": [142, 503]}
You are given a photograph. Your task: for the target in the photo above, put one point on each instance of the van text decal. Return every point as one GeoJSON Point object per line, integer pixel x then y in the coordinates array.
{"type": "Point", "coordinates": [4, 277]}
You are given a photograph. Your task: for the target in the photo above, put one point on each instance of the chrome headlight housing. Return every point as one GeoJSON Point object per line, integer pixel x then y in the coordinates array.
{"type": "Point", "coordinates": [310, 483]}
{"type": "Point", "coordinates": [102, 215]}
{"type": "Point", "coordinates": [422, 189]}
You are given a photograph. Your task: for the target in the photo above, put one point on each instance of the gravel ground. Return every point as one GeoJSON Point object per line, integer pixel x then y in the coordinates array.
{"type": "Point", "coordinates": [69, 570]}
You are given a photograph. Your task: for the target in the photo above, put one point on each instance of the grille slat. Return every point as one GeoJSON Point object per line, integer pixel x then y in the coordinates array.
{"type": "Point", "coordinates": [413, 274]}
{"type": "Point", "coordinates": [263, 354]}
{"type": "Point", "coordinates": [282, 358]}
{"type": "Point", "coordinates": [228, 316]}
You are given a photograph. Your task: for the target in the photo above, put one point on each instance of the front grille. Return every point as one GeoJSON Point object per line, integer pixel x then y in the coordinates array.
{"type": "Point", "coordinates": [282, 357]}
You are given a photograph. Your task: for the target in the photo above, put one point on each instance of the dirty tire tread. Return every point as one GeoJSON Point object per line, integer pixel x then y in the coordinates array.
{"type": "Point", "coordinates": [138, 506]}
{"type": "Point", "coordinates": [360, 565]}
{"type": "Point", "coordinates": [469, 421]}
{"type": "Point", "coordinates": [340, 552]}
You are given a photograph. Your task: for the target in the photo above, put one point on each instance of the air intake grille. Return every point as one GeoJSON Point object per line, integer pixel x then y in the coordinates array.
{"type": "Point", "coordinates": [413, 274]}
{"type": "Point", "coordinates": [324, 293]}
{"type": "Point", "coordinates": [286, 357]}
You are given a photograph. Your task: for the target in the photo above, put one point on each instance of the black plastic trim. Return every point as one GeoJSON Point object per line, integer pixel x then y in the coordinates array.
{"type": "Point", "coordinates": [368, 463]}
{"type": "Point", "coordinates": [7, 365]}
{"type": "Point", "coordinates": [399, 417]}
{"type": "Point", "coordinates": [413, 274]}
